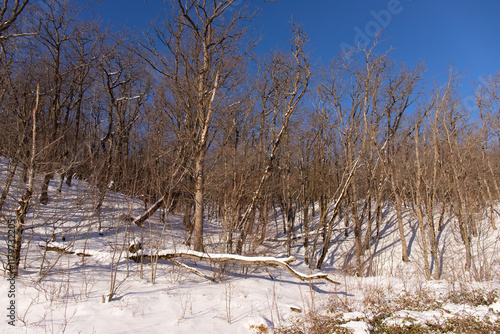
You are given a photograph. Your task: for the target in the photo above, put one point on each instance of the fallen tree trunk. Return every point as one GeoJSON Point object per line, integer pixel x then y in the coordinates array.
{"type": "Point", "coordinates": [213, 258]}
{"type": "Point", "coordinates": [245, 260]}
{"type": "Point", "coordinates": [56, 247]}
{"type": "Point", "coordinates": [165, 199]}
{"type": "Point", "coordinates": [139, 221]}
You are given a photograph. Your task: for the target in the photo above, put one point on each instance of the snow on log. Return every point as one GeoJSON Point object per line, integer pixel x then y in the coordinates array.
{"type": "Point", "coordinates": [62, 249]}
{"type": "Point", "coordinates": [209, 257]}
{"type": "Point", "coordinates": [139, 221]}
{"type": "Point", "coordinates": [56, 247]}
{"type": "Point", "coordinates": [245, 260]}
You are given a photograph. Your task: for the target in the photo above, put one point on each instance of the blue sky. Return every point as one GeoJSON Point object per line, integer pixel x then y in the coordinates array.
{"type": "Point", "coordinates": [462, 33]}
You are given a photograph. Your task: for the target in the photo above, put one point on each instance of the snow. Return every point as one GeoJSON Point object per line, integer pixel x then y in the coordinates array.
{"type": "Point", "coordinates": [358, 327]}
{"type": "Point", "coordinates": [69, 297]}
{"type": "Point", "coordinates": [353, 315]}
{"type": "Point", "coordinates": [495, 307]}
{"type": "Point", "coordinates": [404, 317]}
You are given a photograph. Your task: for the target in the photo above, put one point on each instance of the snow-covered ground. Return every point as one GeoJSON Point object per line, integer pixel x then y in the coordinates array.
{"type": "Point", "coordinates": [68, 293]}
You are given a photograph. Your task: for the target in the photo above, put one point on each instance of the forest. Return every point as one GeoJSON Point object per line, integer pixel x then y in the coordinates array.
{"type": "Point", "coordinates": [188, 120]}
{"type": "Point", "coordinates": [185, 114]}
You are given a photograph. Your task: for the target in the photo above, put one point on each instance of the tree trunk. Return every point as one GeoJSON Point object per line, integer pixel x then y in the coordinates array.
{"type": "Point", "coordinates": [360, 251]}
{"type": "Point", "coordinates": [490, 198]}
{"type": "Point", "coordinates": [465, 234]}
{"type": "Point", "coordinates": [336, 209]}
{"type": "Point", "coordinates": [421, 225]}
{"type": "Point", "coordinates": [265, 218]}
{"type": "Point", "coordinates": [419, 209]}
{"type": "Point", "coordinates": [187, 221]}
{"type": "Point", "coordinates": [399, 213]}
{"type": "Point", "coordinates": [368, 233]}
{"type": "Point", "coordinates": [7, 185]}
{"type": "Point", "coordinates": [306, 232]}
{"type": "Point", "coordinates": [199, 190]}
{"type": "Point", "coordinates": [433, 239]}
{"type": "Point", "coordinates": [61, 181]}
{"type": "Point", "coordinates": [19, 229]}
{"type": "Point", "coordinates": [44, 197]}
{"type": "Point", "coordinates": [25, 199]}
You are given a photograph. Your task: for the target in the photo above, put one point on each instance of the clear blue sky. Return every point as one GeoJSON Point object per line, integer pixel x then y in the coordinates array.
{"type": "Point", "coordinates": [462, 33]}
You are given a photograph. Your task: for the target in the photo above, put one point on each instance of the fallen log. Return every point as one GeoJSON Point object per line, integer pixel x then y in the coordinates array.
{"type": "Point", "coordinates": [213, 258]}
{"type": "Point", "coordinates": [245, 260]}
{"type": "Point", "coordinates": [56, 247]}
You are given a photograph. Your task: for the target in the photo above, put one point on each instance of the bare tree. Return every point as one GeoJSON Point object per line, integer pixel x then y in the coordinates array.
{"type": "Point", "coordinates": [454, 124]}
{"type": "Point", "coordinates": [26, 197]}
{"type": "Point", "coordinates": [54, 45]}
{"type": "Point", "coordinates": [488, 101]}
{"type": "Point", "coordinates": [285, 81]}
{"type": "Point", "coordinates": [418, 198]}
{"type": "Point", "coordinates": [368, 96]}
{"type": "Point", "coordinates": [16, 97]}
{"type": "Point", "coordinates": [203, 52]}
{"type": "Point", "coordinates": [9, 12]}
{"type": "Point", "coordinates": [126, 87]}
